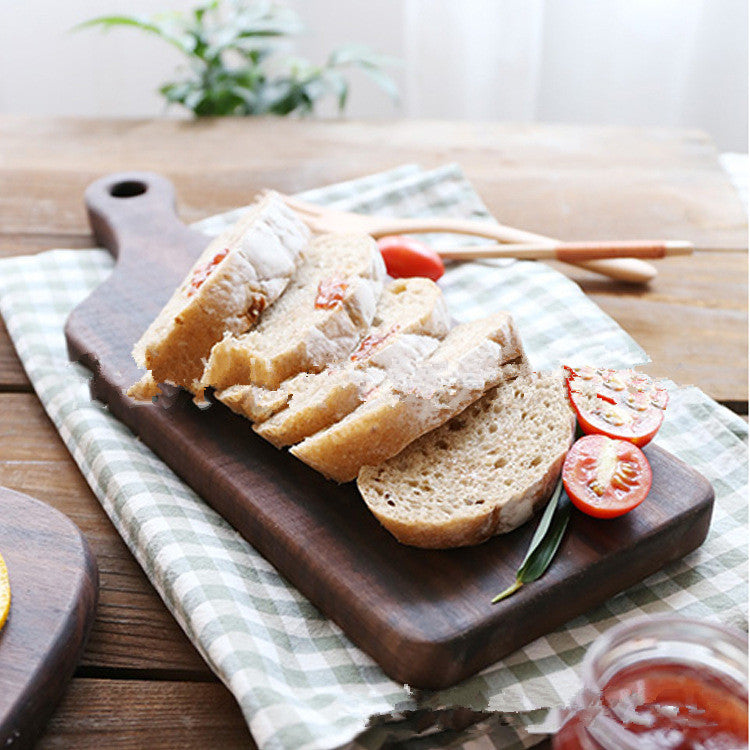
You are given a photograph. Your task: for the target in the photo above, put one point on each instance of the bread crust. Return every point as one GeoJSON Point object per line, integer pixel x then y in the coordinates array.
{"type": "Point", "coordinates": [397, 413]}
{"type": "Point", "coordinates": [468, 531]}
{"type": "Point", "coordinates": [320, 335]}
{"type": "Point", "coordinates": [239, 274]}
{"type": "Point", "coordinates": [411, 319]}
{"type": "Point", "coordinates": [480, 474]}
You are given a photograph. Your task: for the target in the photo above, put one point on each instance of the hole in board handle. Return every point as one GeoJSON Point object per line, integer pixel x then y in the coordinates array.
{"type": "Point", "coordinates": [127, 189]}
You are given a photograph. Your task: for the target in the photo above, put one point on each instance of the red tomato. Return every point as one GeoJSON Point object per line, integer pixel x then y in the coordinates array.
{"type": "Point", "coordinates": [405, 257]}
{"type": "Point", "coordinates": [606, 478]}
{"type": "Point", "coordinates": [621, 404]}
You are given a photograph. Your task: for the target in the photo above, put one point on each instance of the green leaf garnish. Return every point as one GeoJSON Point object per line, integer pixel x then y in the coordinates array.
{"type": "Point", "coordinates": [544, 543]}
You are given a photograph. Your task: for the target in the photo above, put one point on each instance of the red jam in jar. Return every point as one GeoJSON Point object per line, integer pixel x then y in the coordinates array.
{"type": "Point", "coordinates": [662, 683]}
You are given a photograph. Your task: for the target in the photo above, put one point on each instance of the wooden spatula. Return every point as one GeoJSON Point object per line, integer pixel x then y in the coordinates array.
{"type": "Point", "coordinates": [321, 220]}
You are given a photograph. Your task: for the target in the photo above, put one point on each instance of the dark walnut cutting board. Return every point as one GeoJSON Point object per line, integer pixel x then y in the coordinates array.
{"type": "Point", "coordinates": [54, 586]}
{"type": "Point", "coordinates": [425, 616]}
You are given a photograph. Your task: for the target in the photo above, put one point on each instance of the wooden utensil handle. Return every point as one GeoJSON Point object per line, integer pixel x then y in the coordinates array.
{"type": "Point", "coordinates": [570, 252]}
{"type": "Point", "coordinates": [622, 269]}
{"type": "Point", "coordinates": [471, 227]}
{"type": "Point", "coordinates": [575, 252]}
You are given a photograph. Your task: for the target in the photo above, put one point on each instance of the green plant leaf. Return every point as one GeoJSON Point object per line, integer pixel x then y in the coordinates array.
{"type": "Point", "coordinates": [337, 83]}
{"type": "Point", "coordinates": [383, 80]}
{"type": "Point", "coordinates": [148, 25]}
{"type": "Point", "coordinates": [348, 54]}
{"type": "Point", "coordinates": [544, 543]}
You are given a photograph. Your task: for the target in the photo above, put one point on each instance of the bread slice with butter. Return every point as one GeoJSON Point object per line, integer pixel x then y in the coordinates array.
{"type": "Point", "coordinates": [484, 472]}
{"type": "Point", "coordinates": [410, 320]}
{"type": "Point", "coordinates": [468, 362]}
{"type": "Point", "coordinates": [240, 273]}
{"type": "Point", "coordinates": [328, 306]}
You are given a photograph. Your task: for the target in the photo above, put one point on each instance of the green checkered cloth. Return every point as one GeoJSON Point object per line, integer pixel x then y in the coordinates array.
{"type": "Point", "coordinates": [298, 680]}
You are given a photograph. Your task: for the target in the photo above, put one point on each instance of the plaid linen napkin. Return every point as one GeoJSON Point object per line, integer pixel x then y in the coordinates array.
{"type": "Point", "coordinates": [298, 680]}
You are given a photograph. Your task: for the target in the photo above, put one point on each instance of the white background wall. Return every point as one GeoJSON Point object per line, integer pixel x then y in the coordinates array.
{"type": "Point", "coordinates": [679, 63]}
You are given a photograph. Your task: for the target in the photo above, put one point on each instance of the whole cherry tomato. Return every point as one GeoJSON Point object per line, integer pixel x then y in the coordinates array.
{"type": "Point", "coordinates": [405, 257]}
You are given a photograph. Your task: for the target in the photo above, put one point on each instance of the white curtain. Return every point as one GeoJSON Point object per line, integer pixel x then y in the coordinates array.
{"type": "Point", "coordinates": [631, 62]}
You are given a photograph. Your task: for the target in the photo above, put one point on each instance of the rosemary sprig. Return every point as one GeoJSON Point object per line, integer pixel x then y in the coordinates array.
{"type": "Point", "coordinates": [544, 543]}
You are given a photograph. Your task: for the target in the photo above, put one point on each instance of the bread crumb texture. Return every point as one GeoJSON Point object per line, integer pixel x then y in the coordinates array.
{"type": "Point", "coordinates": [484, 472]}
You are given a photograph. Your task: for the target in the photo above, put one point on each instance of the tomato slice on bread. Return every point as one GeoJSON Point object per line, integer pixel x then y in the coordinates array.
{"type": "Point", "coordinates": [620, 404]}
{"type": "Point", "coordinates": [405, 257]}
{"type": "Point", "coordinates": [606, 478]}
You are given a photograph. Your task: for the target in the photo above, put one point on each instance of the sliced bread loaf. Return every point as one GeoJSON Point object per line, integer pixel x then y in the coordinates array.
{"type": "Point", "coordinates": [329, 304]}
{"type": "Point", "coordinates": [467, 363]}
{"type": "Point", "coordinates": [410, 320]}
{"type": "Point", "coordinates": [240, 273]}
{"type": "Point", "coordinates": [483, 473]}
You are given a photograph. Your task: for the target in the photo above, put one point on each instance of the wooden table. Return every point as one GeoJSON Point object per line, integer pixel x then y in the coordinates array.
{"type": "Point", "coordinates": [141, 683]}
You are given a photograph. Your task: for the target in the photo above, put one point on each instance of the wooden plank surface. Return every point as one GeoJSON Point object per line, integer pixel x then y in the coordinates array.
{"type": "Point", "coordinates": [571, 182]}
{"type": "Point", "coordinates": [137, 714]}
{"type": "Point", "coordinates": [546, 179]}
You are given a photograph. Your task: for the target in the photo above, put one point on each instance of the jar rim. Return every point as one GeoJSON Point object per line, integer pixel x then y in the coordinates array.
{"type": "Point", "coordinates": [649, 627]}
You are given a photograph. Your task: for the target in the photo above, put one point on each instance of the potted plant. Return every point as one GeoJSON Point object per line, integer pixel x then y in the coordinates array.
{"type": "Point", "coordinates": [234, 61]}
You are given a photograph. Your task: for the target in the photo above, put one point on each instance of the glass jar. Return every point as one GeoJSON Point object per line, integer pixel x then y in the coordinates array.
{"type": "Point", "coordinates": [661, 683]}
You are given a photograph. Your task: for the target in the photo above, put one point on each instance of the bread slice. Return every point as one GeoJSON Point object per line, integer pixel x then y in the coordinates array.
{"type": "Point", "coordinates": [329, 304]}
{"type": "Point", "coordinates": [254, 401]}
{"type": "Point", "coordinates": [240, 273]}
{"type": "Point", "coordinates": [483, 473]}
{"type": "Point", "coordinates": [466, 364]}
{"type": "Point", "coordinates": [410, 320]}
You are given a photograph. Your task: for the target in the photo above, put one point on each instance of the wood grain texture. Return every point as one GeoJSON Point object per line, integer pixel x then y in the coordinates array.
{"type": "Point", "coordinates": [692, 320]}
{"type": "Point", "coordinates": [138, 714]}
{"type": "Point", "coordinates": [12, 374]}
{"type": "Point", "coordinates": [133, 630]}
{"type": "Point", "coordinates": [31, 243]}
{"type": "Point", "coordinates": [423, 615]}
{"type": "Point", "coordinates": [54, 586]}
{"type": "Point", "coordinates": [568, 182]}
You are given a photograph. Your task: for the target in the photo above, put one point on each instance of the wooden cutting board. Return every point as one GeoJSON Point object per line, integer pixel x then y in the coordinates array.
{"type": "Point", "coordinates": [54, 589]}
{"type": "Point", "coordinates": [425, 616]}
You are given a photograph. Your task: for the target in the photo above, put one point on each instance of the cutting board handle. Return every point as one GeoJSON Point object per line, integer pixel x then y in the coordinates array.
{"type": "Point", "coordinates": [125, 207]}
{"type": "Point", "coordinates": [132, 214]}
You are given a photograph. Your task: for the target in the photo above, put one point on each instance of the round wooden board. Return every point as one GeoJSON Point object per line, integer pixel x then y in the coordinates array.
{"type": "Point", "coordinates": [54, 588]}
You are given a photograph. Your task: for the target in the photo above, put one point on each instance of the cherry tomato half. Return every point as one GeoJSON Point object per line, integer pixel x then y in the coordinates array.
{"type": "Point", "coordinates": [621, 404]}
{"type": "Point", "coordinates": [606, 478]}
{"type": "Point", "coordinates": [405, 257]}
